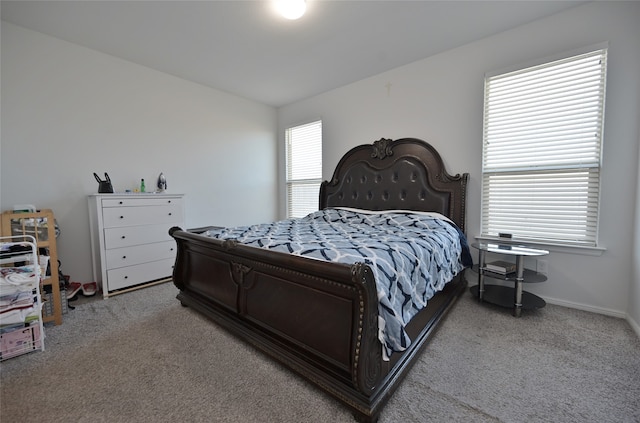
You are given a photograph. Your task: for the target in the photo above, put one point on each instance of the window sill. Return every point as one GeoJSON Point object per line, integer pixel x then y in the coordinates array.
{"type": "Point", "coordinates": [559, 248]}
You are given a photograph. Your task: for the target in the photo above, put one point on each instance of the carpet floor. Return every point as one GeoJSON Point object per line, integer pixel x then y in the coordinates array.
{"type": "Point", "coordinates": [142, 357]}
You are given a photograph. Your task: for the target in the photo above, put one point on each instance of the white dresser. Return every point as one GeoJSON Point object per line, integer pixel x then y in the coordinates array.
{"type": "Point", "coordinates": [130, 242]}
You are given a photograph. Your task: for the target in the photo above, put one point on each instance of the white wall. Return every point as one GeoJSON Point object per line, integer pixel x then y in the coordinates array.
{"type": "Point", "coordinates": [68, 111]}
{"type": "Point", "coordinates": [634, 288]}
{"type": "Point", "coordinates": [439, 99]}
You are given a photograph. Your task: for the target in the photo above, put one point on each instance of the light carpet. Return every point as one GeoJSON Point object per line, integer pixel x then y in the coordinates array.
{"type": "Point", "coordinates": [142, 357]}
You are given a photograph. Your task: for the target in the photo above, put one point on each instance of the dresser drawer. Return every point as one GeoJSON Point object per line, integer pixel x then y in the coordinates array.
{"type": "Point", "coordinates": [125, 277]}
{"type": "Point", "coordinates": [142, 215]}
{"type": "Point", "coordinates": [128, 256]}
{"type": "Point", "coordinates": [136, 235]}
{"type": "Point", "coordinates": [130, 242]}
{"type": "Point", "coordinates": [136, 202]}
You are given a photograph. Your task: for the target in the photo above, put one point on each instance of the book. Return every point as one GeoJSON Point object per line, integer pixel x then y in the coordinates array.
{"type": "Point", "coordinates": [501, 266]}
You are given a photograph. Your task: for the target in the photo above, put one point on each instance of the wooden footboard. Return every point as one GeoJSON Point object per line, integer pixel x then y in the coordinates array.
{"type": "Point", "coordinates": [320, 319]}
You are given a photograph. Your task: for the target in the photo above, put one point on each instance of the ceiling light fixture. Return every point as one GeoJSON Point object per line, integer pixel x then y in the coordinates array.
{"type": "Point", "coordinates": [291, 9]}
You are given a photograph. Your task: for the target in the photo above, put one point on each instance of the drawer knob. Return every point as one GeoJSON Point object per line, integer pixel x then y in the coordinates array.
{"type": "Point", "coordinates": [123, 237]}
{"type": "Point", "coordinates": [169, 201]}
{"type": "Point", "coordinates": [126, 277]}
{"type": "Point", "coordinates": [124, 257]}
{"type": "Point", "coordinates": [170, 214]}
{"type": "Point", "coordinates": [120, 202]}
{"type": "Point", "coordinates": [121, 217]}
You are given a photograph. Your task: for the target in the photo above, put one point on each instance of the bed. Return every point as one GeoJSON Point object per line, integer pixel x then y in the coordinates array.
{"type": "Point", "coordinates": [323, 319]}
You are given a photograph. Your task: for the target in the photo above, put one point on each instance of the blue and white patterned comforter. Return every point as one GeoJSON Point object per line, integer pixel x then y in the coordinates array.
{"type": "Point", "coordinates": [412, 255]}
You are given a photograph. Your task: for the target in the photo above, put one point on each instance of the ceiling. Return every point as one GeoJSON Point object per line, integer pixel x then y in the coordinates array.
{"type": "Point", "coordinates": [243, 48]}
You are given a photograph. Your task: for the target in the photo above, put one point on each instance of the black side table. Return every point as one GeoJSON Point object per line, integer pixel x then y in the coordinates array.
{"type": "Point", "coordinates": [506, 296]}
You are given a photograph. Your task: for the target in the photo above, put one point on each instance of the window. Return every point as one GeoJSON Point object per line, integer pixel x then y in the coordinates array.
{"type": "Point", "coordinates": [542, 151]}
{"type": "Point", "coordinates": [304, 168]}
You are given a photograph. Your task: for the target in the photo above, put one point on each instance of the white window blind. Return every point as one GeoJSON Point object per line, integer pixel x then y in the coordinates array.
{"type": "Point", "coordinates": [542, 151]}
{"type": "Point", "coordinates": [304, 168]}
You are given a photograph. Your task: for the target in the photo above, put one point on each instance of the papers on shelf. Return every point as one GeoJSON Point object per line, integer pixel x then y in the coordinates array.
{"type": "Point", "coordinates": [501, 266]}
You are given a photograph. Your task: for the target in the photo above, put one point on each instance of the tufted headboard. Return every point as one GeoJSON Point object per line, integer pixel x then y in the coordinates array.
{"type": "Point", "coordinates": [405, 174]}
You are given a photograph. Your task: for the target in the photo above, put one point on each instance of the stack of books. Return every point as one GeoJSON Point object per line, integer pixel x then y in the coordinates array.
{"type": "Point", "coordinates": [500, 266]}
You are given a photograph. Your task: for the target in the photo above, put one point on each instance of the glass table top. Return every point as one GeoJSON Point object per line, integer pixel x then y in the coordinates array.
{"type": "Point", "coordinates": [509, 249]}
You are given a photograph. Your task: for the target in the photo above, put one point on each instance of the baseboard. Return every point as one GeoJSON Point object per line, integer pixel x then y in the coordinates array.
{"type": "Point", "coordinates": [599, 310]}
{"type": "Point", "coordinates": [634, 325]}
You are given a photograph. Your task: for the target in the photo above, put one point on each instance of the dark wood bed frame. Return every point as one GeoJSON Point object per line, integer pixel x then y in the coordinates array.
{"type": "Point", "coordinates": [320, 319]}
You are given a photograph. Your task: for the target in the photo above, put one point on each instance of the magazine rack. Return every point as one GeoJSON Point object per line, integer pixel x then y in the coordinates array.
{"type": "Point", "coordinates": [21, 329]}
{"type": "Point", "coordinates": [41, 226]}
